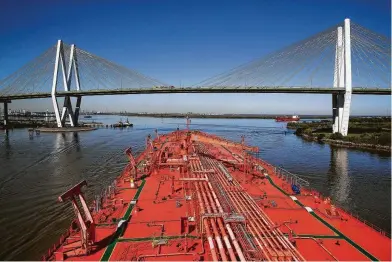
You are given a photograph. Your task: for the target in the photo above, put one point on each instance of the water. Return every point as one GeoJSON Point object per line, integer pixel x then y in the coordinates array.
{"type": "Point", "coordinates": [35, 171]}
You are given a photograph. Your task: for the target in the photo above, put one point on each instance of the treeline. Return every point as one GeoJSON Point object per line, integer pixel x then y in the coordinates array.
{"type": "Point", "coordinates": [376, 138]}
{"type": "Point", "coordinates": [197, 115]}
{"type": "Point", "coordinates": [375, 130]}
{"type": "Point", "coordinates": [178, 115]}
{"type": "Point", "coordinates": [356, 125]}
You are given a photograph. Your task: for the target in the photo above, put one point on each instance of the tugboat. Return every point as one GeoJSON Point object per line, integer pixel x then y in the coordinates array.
{"type": "Point", "coordinates": [287, 118]}
{"type": "Point", "coordinates": [127, 123]}
{"type": "Point", "coordinates": [122, 124]}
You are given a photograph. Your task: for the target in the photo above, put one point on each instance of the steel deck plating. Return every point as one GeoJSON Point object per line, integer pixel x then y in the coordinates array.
{"type": "Point", "coordinates": [196, 196]}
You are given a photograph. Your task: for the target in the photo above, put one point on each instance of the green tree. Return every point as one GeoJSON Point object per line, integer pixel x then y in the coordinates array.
{"type": "Point", "coordinates": [336, 136]}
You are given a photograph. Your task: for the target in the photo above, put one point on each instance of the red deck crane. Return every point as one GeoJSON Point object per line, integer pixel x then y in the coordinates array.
{"type": "Point", "coordinates": [132, 168]}
{"type": "Point", "coordinates": [86, 223]}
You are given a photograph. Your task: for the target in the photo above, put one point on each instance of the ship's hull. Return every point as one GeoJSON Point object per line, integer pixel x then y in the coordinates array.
{"type": "Point", "coordinates": [195, 196]}
{"type": "Point", "coordinates": [123, 125]}
{"type": "Point", "coordinates": [287, 119]}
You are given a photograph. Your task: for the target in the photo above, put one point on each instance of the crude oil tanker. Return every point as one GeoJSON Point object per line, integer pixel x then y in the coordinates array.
{"type": "Point", "coordinates": [196, 196]}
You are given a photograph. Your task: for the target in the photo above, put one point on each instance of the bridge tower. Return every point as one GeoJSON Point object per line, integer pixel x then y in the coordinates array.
{"type": "Point", "coordinates": [342, 79]}
{"type": "Point", "coordinates": [66, 73]}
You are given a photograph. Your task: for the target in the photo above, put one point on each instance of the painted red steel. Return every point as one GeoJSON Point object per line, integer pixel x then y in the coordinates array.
{"type": "Point", "coordinates": [287, 118]}
{"type": "Point", "coordinates": [197, 196]}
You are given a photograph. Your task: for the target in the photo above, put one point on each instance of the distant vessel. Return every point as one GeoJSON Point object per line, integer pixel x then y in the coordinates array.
{"type": "Point", "coordinates": [122, 124]}
{"type": "Point", "coordinates": [287, 118]}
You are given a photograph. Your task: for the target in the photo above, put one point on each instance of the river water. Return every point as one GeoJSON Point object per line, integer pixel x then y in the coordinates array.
{"type": "Point", "coordinates": [34, 171]}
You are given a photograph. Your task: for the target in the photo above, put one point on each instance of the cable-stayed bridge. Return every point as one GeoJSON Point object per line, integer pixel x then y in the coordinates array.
{"type": "Point", "coordinates": [343, 60]}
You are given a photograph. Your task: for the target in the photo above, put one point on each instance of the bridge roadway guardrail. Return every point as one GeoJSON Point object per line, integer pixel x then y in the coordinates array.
{"type": "Point", "coordinates": [213, 89]}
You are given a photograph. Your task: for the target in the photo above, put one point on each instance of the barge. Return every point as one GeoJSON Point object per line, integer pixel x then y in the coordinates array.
{"type": "Point", "coordinates": [196, 196]}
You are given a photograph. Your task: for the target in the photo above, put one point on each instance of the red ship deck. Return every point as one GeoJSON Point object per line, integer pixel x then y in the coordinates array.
{"type": "Point", "coordinates": [200, 197]}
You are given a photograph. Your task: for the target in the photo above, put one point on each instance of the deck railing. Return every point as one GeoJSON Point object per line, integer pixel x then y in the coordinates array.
{"type": "Point", "coordinates": [288, 176]}
{"type": "Point", "coordinates": [351, 213]}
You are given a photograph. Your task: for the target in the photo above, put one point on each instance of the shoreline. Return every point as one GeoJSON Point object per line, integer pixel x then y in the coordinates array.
{"type": "Point", "coordinates": [92, 126]}
{"type": "Point", "coordinates": [65, 129]}
{"type": "Point", "coordinates": [369, 134]}
{"type": "Point", "coordinates": [347, 144]}
{"type": "Point", "coordinates": [222, 116]}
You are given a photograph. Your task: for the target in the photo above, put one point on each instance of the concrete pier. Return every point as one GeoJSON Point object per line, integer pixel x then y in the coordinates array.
{"type": "Point", "coordinates": [5, 121]}
{"type": "Point", "coordinates": [65, 129]}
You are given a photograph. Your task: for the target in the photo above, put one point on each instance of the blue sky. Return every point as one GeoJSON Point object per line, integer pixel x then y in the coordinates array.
{"type": "Point", "coordinates": [184, 42]}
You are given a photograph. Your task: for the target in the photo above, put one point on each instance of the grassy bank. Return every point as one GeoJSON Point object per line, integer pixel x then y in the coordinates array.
{"type": "Point", "coordinates": [374, 132]}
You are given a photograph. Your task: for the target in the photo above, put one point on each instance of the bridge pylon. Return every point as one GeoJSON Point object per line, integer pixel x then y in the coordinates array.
{"type": "Point", "coordinates": [341, 103]}
{"type": "Point", "coordinates": [66, 73]}
{"type": "Point", "coordinates": [5, 113]}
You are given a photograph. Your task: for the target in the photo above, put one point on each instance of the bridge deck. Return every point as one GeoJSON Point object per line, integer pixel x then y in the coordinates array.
{"type": "Point", "coordinates": [204, 90]}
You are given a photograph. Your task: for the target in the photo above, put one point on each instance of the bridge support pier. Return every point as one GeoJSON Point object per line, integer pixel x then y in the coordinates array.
{"type": "Point", "coordinates": [67, 107]}
{"type": "Point", "coordinates": [77, 110]}
{"type": "Point", "coordinates": [341, 103]}
{"type": "Point", "coordinates": [5, 121]}
{"type": "Point", "coordinates": [66, 75]}
{"type": "Point", "coordinates": [5, 114]}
